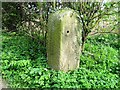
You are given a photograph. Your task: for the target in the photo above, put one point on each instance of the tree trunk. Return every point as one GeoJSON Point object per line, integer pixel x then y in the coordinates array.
{"type": "Point", "coordinates": [84, 38]}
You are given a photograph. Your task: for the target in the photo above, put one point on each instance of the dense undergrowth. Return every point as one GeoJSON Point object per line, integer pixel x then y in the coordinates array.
{"type": "Point", "coordinates": [24, 64]}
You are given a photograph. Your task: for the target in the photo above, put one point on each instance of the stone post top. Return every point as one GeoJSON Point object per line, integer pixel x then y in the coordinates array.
{"type": "Point", "coordinates": [65, 11]}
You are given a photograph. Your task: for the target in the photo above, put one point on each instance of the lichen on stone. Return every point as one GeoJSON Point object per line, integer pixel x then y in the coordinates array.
{"type": "Point", "coordinates": [62, 40]}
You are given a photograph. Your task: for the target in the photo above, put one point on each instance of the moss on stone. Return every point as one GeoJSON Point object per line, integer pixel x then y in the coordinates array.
{"type": "Point", "coordinates": [62, 40]}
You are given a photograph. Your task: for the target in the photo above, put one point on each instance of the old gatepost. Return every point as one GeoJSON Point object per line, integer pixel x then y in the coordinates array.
{"type": "Point", "coordinates": [64, 40]}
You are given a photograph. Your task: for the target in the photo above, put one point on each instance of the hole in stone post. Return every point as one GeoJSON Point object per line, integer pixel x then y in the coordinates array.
{"type": "Point", "coordinates": [67, 31]}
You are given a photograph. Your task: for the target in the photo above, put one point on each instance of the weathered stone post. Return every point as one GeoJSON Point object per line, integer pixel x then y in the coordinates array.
{"type": "Point", "coordinates": [64, 40]}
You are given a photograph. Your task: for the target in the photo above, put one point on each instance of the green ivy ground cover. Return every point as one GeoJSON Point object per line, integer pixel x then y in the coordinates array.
{"type": "Point", "coordinates": [23, 64]}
